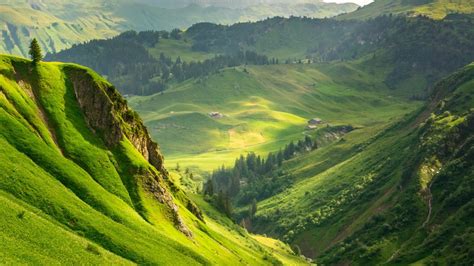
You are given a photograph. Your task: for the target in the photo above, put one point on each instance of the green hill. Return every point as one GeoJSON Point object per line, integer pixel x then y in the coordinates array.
{"type": "Point", "coordinates": [58, 24]}
{"type": "Point", "coordinates": [82, 180]}
{"type": "Point", "coordinates": [264, 107]}
{"type": "Point", "coordinates": [400, 196]}
{"type": "Point", "coordinates": [383, 176]}
{"type": "Point", "coordinates": [436, 9]}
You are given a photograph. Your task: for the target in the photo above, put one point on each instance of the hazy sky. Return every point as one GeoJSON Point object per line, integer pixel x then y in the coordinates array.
{"type": "Point", "coordinates": [359, 2]}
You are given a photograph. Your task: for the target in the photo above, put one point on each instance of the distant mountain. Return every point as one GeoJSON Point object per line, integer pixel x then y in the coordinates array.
{"type": "Point", "coordinates": [58, 24]}
{"type": "Point", "coordinates": [225, 3]}
{"type": "Point", "coordinates": [436, 9]}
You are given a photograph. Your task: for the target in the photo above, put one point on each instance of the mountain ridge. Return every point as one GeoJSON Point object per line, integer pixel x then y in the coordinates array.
{"type": "Point", "coordinates": [436, 9]}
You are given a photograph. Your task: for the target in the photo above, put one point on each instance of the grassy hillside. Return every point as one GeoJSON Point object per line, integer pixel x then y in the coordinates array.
{"type": "Point", "coordinates": [58, 24]}
{"type": "Point", "coordinates": [178, 48]}
{"type": "Point", "coordinates": [79, 164]}
{"type": "Point", "coordinates": [264, 107]}
{"type": "Point", "coordinates": [436, 9]}
{"type": "Point", "coordinates": [400, 196]}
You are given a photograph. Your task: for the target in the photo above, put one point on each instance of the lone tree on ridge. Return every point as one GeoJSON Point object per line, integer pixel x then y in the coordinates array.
{"type": "Point", "coordinates": [35, 51]}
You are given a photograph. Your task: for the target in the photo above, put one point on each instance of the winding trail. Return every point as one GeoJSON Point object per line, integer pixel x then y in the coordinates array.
{"type": "Point", "coordinates": [430, 199]}
{"type": "Point", "coordinates": [428, 217]}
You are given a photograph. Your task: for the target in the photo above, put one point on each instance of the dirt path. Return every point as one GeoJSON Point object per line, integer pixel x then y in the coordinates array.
{"type": "Point", "coordinates": [430, 199]}
{"type": "Point", "coordinates": [428, 217]}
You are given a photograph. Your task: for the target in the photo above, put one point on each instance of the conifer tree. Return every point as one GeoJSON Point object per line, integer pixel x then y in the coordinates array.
{"type": "Point", "coordinates": [35, 51]}
{"type": "Point", "coordinates": [253, 208]}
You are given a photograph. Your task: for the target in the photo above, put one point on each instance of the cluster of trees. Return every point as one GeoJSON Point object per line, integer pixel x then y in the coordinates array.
{"type": "Point", "coordinates": [272, 33]}
{"type": "Point", "coordinates": [252, 177]}
{"type": "Point", "coordinates": [127, 63]}
{"type": "Point", "coordinates": [182, 70]}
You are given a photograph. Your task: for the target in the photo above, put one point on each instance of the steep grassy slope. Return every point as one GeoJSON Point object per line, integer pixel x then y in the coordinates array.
{"type": "Point", "coordinates": [437, 9]}
{"type": "Point", "coordinates": [402, 196]}
{"type": "Point", "coordinates": [264, 107]}
{"type": "Point", "coordinates": [81, 180]}
{"type": "Point", "coordinates": [58, 24]}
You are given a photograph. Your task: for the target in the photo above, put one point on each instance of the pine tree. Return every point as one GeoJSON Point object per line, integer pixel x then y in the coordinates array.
{"type": "Point", "coordinates": [165, 75]}
{"type": "Point", "coordinates": [223, 202]}
{"type": "Point", "coordinates": [35, 51]}
{"type": "Point", "coordinates": [209, 188]}
{"type": "Point", "coordinates": [280, 157]}
{"type": "Point", "coordinates": [176, 34]}
{"type": "Point", "coordinates": [253, 208]}
{"type": "Point", "coordinates": [308, 142]}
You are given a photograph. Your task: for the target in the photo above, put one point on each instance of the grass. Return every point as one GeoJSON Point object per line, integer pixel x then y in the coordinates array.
{"type": "Point", "coordinates": [363, 199]}
{"type": "Point", "coordinates": [436, 9]}
{"type": "Point", "coordinates": [264, 110]}
{"type": "Point", "coordinates": [279, 249]}
{"type": "Point", "coordinates": [59, 177]}
{"type": "Point", "coordinates": [178, 48]}
{"type": "Point", "coordinates": [23, 240]}
{"type": "Point", "coordinates": [369, 179]}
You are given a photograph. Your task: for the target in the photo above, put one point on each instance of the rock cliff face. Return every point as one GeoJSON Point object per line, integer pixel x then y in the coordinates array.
{"type": "Point", "coordinates": [108, 116]}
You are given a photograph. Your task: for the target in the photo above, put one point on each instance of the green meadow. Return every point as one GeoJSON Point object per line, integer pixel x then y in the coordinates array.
{"type": "Point", "coordinates": [264, 108]}
{"type": "Point", "coordinates": [436, 9]}
{"type": "Point", "coordinates": [88, 176]}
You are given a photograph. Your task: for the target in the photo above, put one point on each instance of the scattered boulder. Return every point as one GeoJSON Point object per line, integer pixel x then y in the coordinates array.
{"type": "Point", "coordinates": [216, 115]}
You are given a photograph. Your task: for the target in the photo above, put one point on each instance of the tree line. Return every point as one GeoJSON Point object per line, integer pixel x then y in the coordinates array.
{"type": "Point", "coordinates": [252, 177]}
{"type": "Point", "coordinates": [127, 63]}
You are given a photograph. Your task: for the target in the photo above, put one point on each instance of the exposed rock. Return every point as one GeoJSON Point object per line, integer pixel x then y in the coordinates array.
{"type": "Point", "coordinates": [152, 184]}
{"type": "Point", "coordinates": [108, 115]}
{"type": "Point", "coordinates": [216, 115]}
{"type": "Point", "coordinates": [195, 210]}
{"type": "Point", "coordinates": [106, 111]}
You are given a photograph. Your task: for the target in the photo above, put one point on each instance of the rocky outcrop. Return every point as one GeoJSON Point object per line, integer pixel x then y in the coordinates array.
{"type": "Point", "coordinates": [152, 185]}
{"type": "Point", "coordinates": [108, 116]}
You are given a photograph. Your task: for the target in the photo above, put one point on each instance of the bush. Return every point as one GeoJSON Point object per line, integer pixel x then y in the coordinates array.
{"type": "Point", "coordinates": [21, 215]}
{"type": "Point", "coordinates": [93, 249]}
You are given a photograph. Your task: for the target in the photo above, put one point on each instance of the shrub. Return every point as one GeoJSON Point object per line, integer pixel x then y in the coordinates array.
{"type": "Point", "coordinates": [21, 215]}
{"type": "Point", "coordinates": [93, 249]}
